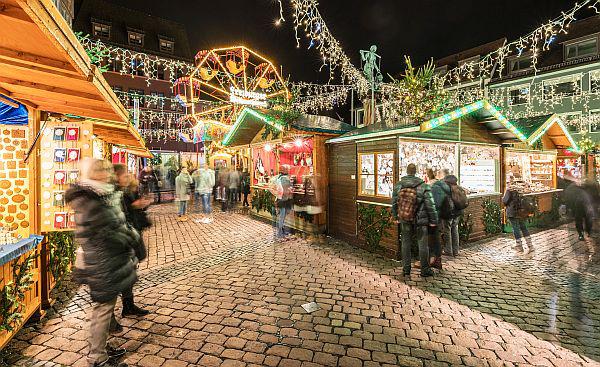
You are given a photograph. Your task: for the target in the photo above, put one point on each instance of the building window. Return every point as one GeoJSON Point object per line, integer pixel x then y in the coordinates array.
{"type": "Point", "coordinates": [562, 87]}
{"type": "Point", "coordinates": [160, 72]}
{"type": "Point", "coordinates": [581, 49]}
{"type": "Point", "coordinates": [166, 46]}
{"type": "Point", "coordinates": [441, 70]}
{"type": "Point", "coordinates": [573, 122]}
{"type": "Point", "coordinates": [137, 67]}
{"type": "Point", "coordinates": [101, 30]}
{"type": "Point", "coordinates": [376, 176]}
{"type": "Point", "coordinates": [595, 121]}
{"type": "Point", "coordinates": [518, 95]}
{"type": "Point", "coordinates": [521, 64]}
{"type": "Point", "coordinates": [135, 38]}
{"type": "Point", "coordinates": [595, 81]}
{"type": "Point", "coordinates": [136, 93]}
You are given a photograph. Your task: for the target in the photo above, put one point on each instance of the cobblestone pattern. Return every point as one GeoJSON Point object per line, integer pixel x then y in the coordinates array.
{"type": "Point", "coordinates": [488, 307]}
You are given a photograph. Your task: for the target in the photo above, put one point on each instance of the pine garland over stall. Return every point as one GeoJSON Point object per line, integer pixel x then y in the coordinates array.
{"type": "Point", "coordinates": [12, 295]}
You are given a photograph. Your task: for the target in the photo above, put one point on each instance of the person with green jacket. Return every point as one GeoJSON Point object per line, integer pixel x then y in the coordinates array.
{"type": "Point", "coordinates": [425, 215]}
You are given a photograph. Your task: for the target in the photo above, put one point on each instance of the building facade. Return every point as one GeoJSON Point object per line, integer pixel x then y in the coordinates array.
{"type": "Point", "coordinates": [143, 34]}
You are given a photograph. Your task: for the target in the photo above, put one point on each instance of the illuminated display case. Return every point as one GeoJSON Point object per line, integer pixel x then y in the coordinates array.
{"type": "Point", "coordinates": [536, 169]}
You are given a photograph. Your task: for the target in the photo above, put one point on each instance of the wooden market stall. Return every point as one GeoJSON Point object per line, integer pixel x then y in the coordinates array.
{"type": "Point", "coordinates": [472, 142]}
{"type": "Point", "coordinates": [45, 71]}
{"type": "Point", "coordinates": [300, 146]}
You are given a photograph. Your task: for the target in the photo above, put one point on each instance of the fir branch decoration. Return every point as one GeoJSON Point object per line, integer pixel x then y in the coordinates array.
{"type": "Point", "coordinates": [62, 249]}
{"type": "Point", "coordinates": [465, 227]}
{"type": "Point", "coordinates": [374, 224]}
{"type": "Point", "coordinates": [12, 295]}
{"type": "Point", "coordinates": [263, 200]}
{"type": "Point", "coordinates": [491, 217]}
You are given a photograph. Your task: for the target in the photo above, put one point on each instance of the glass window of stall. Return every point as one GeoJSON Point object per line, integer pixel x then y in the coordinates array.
{"type": "Point", "coordinates": [297, 155]}
{"type": "Point", "coordinates": [264, 162]}
{"type": "Point", "coordinates": [479, 169]}
{"type": "Point", "coordinates": [376, 175]}
{"type": "Point", "coordinates": [425, 155]}
{"type": "Point", "coordinates": [536, 169]}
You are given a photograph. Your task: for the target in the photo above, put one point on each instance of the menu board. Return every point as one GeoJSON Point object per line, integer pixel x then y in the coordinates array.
{"type": "Point", "coordinates": [15, 219]}
{"type": "Point", "coordinates": [427, 155]}
{"type": "Point", "coordinates": [479, 169]}
{"type": "Point", "coordinates": [63, 146]}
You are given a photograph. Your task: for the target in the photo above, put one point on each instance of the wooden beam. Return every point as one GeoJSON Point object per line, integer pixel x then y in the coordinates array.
{"type": "Point", "coordinates": [14, 13]}
{"type": "Point", "coordinates": [50, 88]}
{"type": "Point", "coordinates": [489, 119]}
{"type": "Point", "coordinates": [500, 131]}
{"type": "Point", "coordinates": [4, 99]}
{"type": "Point", "coordinates": [37, 60]}
{"type": "Point", "coordinates": [21, 101]}
{"type": "Point", "coordinates": [4, 63]}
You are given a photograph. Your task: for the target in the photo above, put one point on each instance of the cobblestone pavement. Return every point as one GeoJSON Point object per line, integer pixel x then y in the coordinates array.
{"type": "Point", "coordinates": [226, 294]}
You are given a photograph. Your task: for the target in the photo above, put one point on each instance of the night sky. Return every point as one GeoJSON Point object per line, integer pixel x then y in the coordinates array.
{"type": "Point", "coordinates": [421, 29]}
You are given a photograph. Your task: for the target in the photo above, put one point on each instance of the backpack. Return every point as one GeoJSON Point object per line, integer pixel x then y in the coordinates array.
{"type": "Point", "coordinates": [407, 203]}
{"type": "Point", "coordinates": [447, 208]}
{"type": "Point", "coordinates": [459, 197]}
{"type": "Point", "coordinates": [525, 207]}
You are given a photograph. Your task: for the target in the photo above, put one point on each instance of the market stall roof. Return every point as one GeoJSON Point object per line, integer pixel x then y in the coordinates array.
{"type": "Point", "coordinates": [550, 125]}
{"type": "Point", "coordinates": [250, 122]}
{"type": "Point", "coordinates": [481, 116]}
{"type": "Point", "coordinates": [43, 66]}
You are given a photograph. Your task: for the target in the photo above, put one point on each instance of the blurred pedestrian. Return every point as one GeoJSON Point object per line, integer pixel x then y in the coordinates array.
{"type": "Point", "coordinates": [579, 203]}
{"type": "Point", "coordinates": [223, 187]}
{"type": "Point", "coordinates": [245, 187]}
{"type": "Point", "coordinates": [134, 206]}
{"type": "Point", "coordinates": [518, 209]}
{"type": "Point", "coordinates": [105, 259]}
{"type": "Point", "coordinates": [182, 192]}
{"type": "Point", "coordinates": [233, 184]}
{"type": "Point", "coordinates": [457, 203]}
{"type": "Point", "coordinates": [281, 188]}
{"type": "Point", "coordinates": [204, 178]}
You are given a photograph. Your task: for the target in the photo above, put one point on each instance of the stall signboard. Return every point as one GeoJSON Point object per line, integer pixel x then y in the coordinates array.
{"type": "Point", "coordinates": [63, 145]}
{"type": "Point", "coordinates": [247, 98]}
{"type": "Point", "coordinates": [479, 167]}
{"type": "Point", "coordinates": [15, 219]}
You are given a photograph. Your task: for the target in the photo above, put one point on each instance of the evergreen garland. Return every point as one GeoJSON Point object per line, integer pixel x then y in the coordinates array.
{"type": "Point", "coordinates": [12, 295]}
{"type": "Point", "coordinates": [61, 246]}
{"type": "Point", "coordinates": [374, 224]}
{"type": "Point", "coordinates": [491, 217]}
{"type": "Point", "coordinates": [465, 227]}
{"type": "Point", "coordinates": [263, 200]}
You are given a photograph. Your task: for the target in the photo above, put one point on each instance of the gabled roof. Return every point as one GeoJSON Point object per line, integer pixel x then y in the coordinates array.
{"type": "Point", "coordinates": [121, 19]}
{"type": "Point", "coordinates": [250, 122]}
{"type": "Point", "coordinates": [478, 114]}
{"type": "Point", "coordinates": [481, 50]}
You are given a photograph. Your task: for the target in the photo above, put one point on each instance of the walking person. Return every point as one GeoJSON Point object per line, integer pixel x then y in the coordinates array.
{"type": "Point", "coordinates": [457, 204]}
{"type": "Point", "coordinates": [580, 204]}
{"type": "Point", "coordinates": [518, 209]}
{"type": "Point", "coordinates": [134, 207]}
{"type": "Point", "coordinates": [204, 180]}
{"type": "Point", "coordinates": [245, 187]}
{"type": "Point", "coordinates": [105, 259]}
{"type": "Point", "coordinates": [281, 187]}
{"type": "Point", "coordinates": [233, 185]}
{"type": "Point", "coordinates": [182, 192]}
{"type": "Point", "coordinates": [443, 204]}
{"type": "Point", "coordinates": [223, 187]}
{"type": "Point", "coordinates": [414, 210]}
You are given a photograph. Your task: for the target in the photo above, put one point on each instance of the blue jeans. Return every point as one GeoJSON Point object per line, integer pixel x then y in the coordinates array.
{"type": "Point", "coordinates": [519, 228]}
{"type": "Point", "coordinates": [409, 230]}
{"type": "Point", "coordinates": [282, 212]}
{"type": "Point", "coordinates": [183, 207]}
{"type": "Point", "coordinates": [206, 203]}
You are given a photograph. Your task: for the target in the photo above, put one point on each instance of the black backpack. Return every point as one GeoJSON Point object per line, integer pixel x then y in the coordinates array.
{"type": "Point", "coordinates": [447, 207]}
{"type": "Point", "coordinates": [524, 205]}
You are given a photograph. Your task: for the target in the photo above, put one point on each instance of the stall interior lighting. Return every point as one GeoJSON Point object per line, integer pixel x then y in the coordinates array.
{"type": "Point", "coordinates": [240, 120]}
{"type": "Point", "coordinates": [299, 142]}
{"type": "Point", "coordinates": [268, 147]}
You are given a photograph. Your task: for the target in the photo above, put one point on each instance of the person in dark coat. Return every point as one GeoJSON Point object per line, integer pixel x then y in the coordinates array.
{"type": "Point", "coordinates": [450, 225]}
{"type": "Point", "coordinates": [105, 259]}
{"type": "Point", "coordinates": [425, 216]}
{"type": "Point", "coordinates": [245, 187]}
{"type": "Point", "coordinates": [579, 203]}
{"type": "Point", "coordinates": [134, 208]}
{"type": "Point", "coordinates": [511, 202]}
{"type": "Point", "coordinates": [440, 192]}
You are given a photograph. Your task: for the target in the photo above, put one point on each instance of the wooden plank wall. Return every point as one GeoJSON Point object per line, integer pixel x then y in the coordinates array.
{"type": "Point", "coordinates": [342, 211]}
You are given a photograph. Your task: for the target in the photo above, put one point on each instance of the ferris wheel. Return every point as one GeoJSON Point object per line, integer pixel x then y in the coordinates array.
{"type": "Point", "coordinates": [225, 81]}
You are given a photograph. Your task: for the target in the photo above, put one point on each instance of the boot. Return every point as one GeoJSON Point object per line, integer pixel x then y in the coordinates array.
{"type": "Point", "coordinates": [115, 352]}
{"type": "Point", "coordinates": [529, 243]}
{"type": "Point", "coordinates": [518, 246]}
{"type": "Point", "coordinates": [437, 263]}
{"type": "Point", "coordinates": [130, 309]}
{"type": "Point", "coordinates": [115, 327]}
